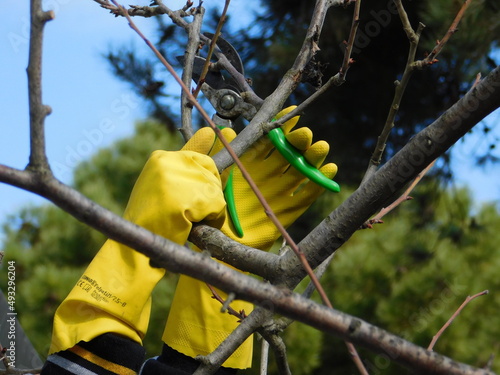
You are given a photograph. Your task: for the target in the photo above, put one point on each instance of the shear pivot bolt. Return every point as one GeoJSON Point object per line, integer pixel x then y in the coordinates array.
{"type": "Point", "coordinates": [227, 102]}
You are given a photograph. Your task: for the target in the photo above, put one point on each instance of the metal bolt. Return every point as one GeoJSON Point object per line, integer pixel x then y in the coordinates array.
{"type": "Point", "coordinates": [227, 102]}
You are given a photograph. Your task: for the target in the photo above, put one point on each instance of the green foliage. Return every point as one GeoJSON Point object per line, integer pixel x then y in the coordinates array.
{"type": "Point", "coordinates": [51, 249]}
{"type": "Point", "coordinates": [409, 276]}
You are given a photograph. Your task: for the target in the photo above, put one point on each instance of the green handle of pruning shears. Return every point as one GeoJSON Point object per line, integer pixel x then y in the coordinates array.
{"type": "Point", "coordinates": [231, 204]}
{"type": "Point", "coordinates": [299, 162]}
{"type": "Point", "coordinates": [295, 158]}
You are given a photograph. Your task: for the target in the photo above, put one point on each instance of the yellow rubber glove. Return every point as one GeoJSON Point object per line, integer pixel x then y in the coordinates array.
{"type": "Point", "coordinates": [173, 190]}
{"type": "Point", "coordinates": [195, 324]}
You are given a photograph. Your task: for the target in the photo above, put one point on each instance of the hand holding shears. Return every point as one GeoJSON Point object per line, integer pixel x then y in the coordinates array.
{"type": "Point", "coordinates": [297, 157]}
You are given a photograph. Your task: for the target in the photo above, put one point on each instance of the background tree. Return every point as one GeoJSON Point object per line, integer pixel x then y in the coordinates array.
{"type": "Point", "coordinates": [395, 282]}
{"type": "Point", "coordinates": [358, 109]}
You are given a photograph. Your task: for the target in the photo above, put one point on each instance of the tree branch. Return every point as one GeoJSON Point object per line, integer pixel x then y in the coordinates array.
{"type": "Point", "coordinates": [267, 208]}
{"type": "Point", "coordinates": [38, 111]}
{"type": "Point", "coordinates": [193, 31]}
{"type": "Point", "coordinates": [337, 80]}
{"type": "Point", "coordinates": [411, 65]}
{"type": "Point", "coordinates": [431, 58]}
{"type": "Point", "coordinates": [481, 100]}
{"type": "Point", "coordinates": [213, 44]}
{"type": "Point", "coordinates": [244, 258]}
{"type": "Point", "coordinates": [419, 152]}
{"type": "Point", "coordinates": [413, 38]}
{"type": "Point", "coordinates": [403, 198]}
{"type": "Point", "coordinates": [274, 102]}
{"type": "Point", "coordinates": [279, 350]}
{"type": "Point", "coordinates": [452, 318]}
{"type": "Point", "coordinates": [211, 362]}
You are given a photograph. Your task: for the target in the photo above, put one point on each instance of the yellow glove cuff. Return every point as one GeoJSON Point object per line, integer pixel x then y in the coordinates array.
{"type": "Point", "coordinates": [174, 190]}
{"type": "Point", "coordinates": [196, 325]}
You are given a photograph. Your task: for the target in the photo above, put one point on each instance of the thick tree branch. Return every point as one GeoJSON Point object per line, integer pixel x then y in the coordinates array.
{"type": "Point", "coordinates": [420, 151]}
{"type": "Point", "coordinates": [211, 362]}
{"type": "Point", "coordinates": [244, 258]}
{"type": "Point", "coordinates": [335, 230]}
{"type": "Point", "coordinates": [322, 242]}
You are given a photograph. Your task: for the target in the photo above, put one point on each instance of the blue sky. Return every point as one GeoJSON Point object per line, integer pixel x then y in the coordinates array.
{"type": "Point", "coordinates": [90, 107]}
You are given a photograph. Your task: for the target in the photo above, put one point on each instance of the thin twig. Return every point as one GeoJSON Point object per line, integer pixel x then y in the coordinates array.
{"type": "Point", "coordinates": [350, 43]}
{"type": "Point", "coordinates": [264, 356]}
{"type": "Point", "coordinates": [320, 271]}
{"type": "Point", "coordinates": [215, 295]}
{"type": "Point", "coordinates": [145, 11]}
{"type": "Point", "coordinates": [193, 31]}
{"type": "Point", "coordinates": [455, 314]}
{"type": "Point", "coordinates": [413, 38]}
{"type": "Point", "coordinates": [411, 65]}
{"type": "Point", "coordinates": [377, 219]}
{"type": "Point", "coordinates": [38, 111]}
{"type": "Point", "coordinates": [431, 58]}
{"type": "Point", "coordinates": [12, 370]}
{"type": "Point", "coordinates": [211, 49]}
{"type": "Point", "coordinates": [337, 80]}
{"type": "Point", "coordinates": [488, 366]}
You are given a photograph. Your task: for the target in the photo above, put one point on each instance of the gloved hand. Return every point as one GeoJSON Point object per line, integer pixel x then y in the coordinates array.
{"type": "Point", "coordinates": [173, 190]}
{"type": "Point", "coordinates": [195, 324]}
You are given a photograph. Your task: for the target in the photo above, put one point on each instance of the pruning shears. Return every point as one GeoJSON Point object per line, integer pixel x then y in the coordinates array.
{"type": "Point", "coordinates": [225, 96]}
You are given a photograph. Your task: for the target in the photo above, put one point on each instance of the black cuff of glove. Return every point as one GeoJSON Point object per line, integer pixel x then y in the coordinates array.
{"type": "Point", "coordinates": [171, 362]}
{"type": "Point", "coordinates": [103, 355]}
